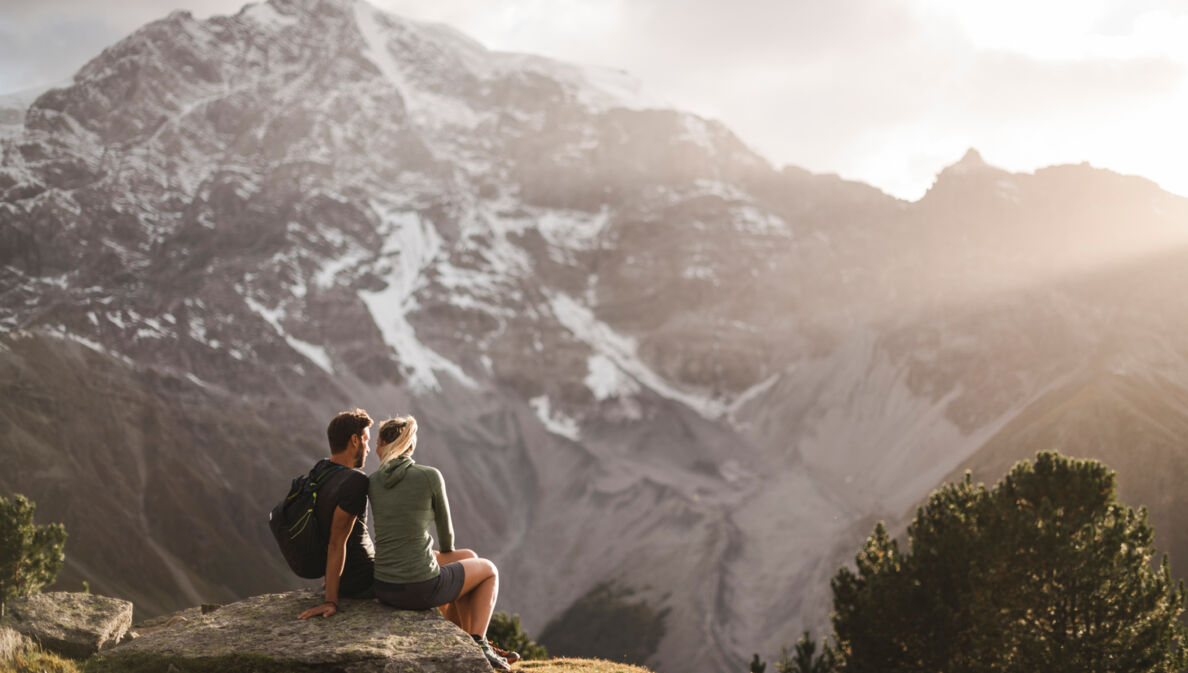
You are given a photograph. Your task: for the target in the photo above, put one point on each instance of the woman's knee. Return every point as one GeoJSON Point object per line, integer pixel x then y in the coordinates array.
{"type": "Point", "coordinates": [490, 567]}
{"type": "Point", "coordinates": [465, 553]}
{"type": "Point", "coordinates": [480, 567]}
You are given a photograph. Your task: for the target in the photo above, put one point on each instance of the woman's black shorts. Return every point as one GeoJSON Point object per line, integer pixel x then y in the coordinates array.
{"type": "Point", "coordinates": [431, 593]}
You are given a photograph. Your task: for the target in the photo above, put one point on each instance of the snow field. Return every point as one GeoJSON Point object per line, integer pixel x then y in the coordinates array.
{"type": "Point", "coordinates": [419, 245]}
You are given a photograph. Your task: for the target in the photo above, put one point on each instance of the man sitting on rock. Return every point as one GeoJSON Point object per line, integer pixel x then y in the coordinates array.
{"type": "Point", "coordinates": [342, 510]}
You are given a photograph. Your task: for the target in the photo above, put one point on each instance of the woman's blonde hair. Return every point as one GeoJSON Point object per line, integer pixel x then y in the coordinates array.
{"type": "Point", "coordinates": [397, 437]}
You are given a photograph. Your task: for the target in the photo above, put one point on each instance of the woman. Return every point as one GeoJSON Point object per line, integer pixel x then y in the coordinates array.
{"type": "Point", "coordinates": [409, 574]}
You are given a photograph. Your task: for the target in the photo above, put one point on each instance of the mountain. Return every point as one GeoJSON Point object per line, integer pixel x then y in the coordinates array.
{"type": "Point", "coordinates": [640, 355]}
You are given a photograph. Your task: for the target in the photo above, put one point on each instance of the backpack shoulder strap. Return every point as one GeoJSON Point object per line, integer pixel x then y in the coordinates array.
{"type": "Point", "coordinates": [319, 477]}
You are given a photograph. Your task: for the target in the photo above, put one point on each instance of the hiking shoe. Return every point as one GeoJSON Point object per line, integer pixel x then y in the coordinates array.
{"type": "Point", "coordinates": [497, 662]}
{"type": "Point", "coordinates": [511, 657]}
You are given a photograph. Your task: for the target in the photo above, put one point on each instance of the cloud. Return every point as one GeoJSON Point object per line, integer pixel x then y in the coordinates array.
{"type": "Point", "coordinates": [1007, 86]}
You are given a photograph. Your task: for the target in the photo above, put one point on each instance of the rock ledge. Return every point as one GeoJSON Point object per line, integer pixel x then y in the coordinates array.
{"type": "Point", "coordinates": [263, 634]}
{"type": "Point", "coordinates": [71, 624]}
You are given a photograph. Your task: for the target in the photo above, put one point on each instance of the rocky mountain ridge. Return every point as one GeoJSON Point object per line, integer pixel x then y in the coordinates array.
{"type": "Point", "coordinates": [640, 353]}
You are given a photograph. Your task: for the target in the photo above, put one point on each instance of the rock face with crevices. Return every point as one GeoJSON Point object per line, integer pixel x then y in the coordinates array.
{"type": "Point", "coordinates": [263, 633]}
{"type": "Point", "coordinates": [71, 624]}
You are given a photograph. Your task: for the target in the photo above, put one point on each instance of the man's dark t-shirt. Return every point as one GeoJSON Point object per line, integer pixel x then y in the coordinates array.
{"type": "Point", "coordinates": [347, 488]}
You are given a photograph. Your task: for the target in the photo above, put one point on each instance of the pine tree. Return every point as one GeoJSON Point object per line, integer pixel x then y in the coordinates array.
{"type": "Point", "coordinates": [1047, 571]}
{"type": "Point", "coordinates": [758, 666]}
{"type": "Point", "coordinates": [806, 659]}
{"type": "Point", "coordinates": [868, 611]}
{"type": "Point", "coordinates": [30, 555]}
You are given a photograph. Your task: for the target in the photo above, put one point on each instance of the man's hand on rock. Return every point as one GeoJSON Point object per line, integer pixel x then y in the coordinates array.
{"type": "Point", "coordinates": [325, 609]}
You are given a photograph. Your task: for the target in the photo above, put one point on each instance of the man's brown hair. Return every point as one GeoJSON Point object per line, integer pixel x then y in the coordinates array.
{"type": "Point", "coordinates": [345, 425]}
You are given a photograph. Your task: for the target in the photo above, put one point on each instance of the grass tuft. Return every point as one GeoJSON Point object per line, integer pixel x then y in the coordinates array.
{"type": "Point", "coordinates": [578, 666]}
{"type": "Point", "coordinates": [38, 661]}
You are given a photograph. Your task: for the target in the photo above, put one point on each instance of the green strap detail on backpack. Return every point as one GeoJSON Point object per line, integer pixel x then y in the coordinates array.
{"type": "Point", "coordinates": [301, 523]}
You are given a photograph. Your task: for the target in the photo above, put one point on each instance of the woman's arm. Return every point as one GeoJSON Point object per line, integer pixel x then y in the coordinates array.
{"type": "Point", "coordinates": [441, 510]}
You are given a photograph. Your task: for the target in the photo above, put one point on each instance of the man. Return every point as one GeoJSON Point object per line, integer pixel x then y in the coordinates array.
{"type": "Point", "coordinates": [342, 510]}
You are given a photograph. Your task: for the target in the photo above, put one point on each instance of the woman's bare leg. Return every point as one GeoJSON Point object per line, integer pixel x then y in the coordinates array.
{"type": "Point", "coordinates": [452, 614]}
{"type": "Point", "coordinates": [456, 611]}
{"type": "Point", "coordinates": [480, 590]}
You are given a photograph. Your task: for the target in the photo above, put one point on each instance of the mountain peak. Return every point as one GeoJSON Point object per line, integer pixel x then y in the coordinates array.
{"type": "Point", "coordinates": [970, 169]}
{"type": "Point", "coordinates": [971, 163]}
{"type": "Point", "coordinates": [972, 158]}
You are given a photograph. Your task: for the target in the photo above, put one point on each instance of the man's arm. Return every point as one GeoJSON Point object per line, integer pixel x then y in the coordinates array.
{"type": "Point", "coordinates": [340, 529]}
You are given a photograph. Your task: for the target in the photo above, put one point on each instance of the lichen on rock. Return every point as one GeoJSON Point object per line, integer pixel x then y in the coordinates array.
{"type": "Point", "coordinates": [263, 633]}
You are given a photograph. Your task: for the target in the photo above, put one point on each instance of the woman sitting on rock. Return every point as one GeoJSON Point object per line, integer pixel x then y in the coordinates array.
{"type": "Point", "coordinates": [405, 499]}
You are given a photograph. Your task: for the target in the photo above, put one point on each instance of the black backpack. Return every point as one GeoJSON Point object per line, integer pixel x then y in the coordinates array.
{"type": "Point", "coordinates": [294, 524]}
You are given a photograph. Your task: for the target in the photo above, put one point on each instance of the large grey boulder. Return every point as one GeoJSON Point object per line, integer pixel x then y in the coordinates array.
{"type": "Point", "coordinates": [71, 624]}
{"type": "Point", "coordinates": [262, 634]}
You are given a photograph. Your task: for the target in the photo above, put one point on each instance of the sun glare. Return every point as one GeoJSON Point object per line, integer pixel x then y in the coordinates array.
{"type": "Point", "coordinates": [1052, 29]}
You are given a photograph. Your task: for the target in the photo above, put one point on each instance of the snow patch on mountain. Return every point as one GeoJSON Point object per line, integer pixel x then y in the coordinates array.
{"type": "Point", "coordinates": [63, 333]}
{"type": "Point", "coordinates": [427, 109]}
{"type": "Point", "coordinates": [697, 131]}
{"type": "Point", "coordinates": [574, 230]}
{"type": "Point", "coordinates": [555, 422]}
{"type": "Point", "coordinates": [493, 221]}
{"type": "Point", "coordinates": [722, 190]}
{"type": "Point", "coordinates": [701, 272]}
{"type": "Point", "coordinates": [606, 380]}
{"type": "Point", "coordinates": [592, 87]}
{"type": "Point", "coordinates": [622, 352]}
{"type": "Point", "coordinates": [484, 270]}
{"type": "Point", "coordinates": [315, 354]}
{"type": "Point", "coordinates": [749, 219]}
{"type": "Point", "coordinates": [267, 16]}
{"type": "Point", "coordinates": [197, 381]}
{"type": "Point", "coordinates": [412, 246]}
{"type": "Point", "coordinates": [354, 255]}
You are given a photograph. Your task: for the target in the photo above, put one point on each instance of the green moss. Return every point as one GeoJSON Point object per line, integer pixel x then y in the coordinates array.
{"type": "Point", "coordinates": [154, 663]}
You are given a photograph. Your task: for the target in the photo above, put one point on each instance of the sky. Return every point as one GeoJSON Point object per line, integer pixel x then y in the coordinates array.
{"type": "Point", "coordinates": [888, 92]}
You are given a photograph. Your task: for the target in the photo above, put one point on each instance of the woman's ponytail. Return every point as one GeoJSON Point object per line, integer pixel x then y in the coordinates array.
{"type": "Point", "coordinates": [398, 437]}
